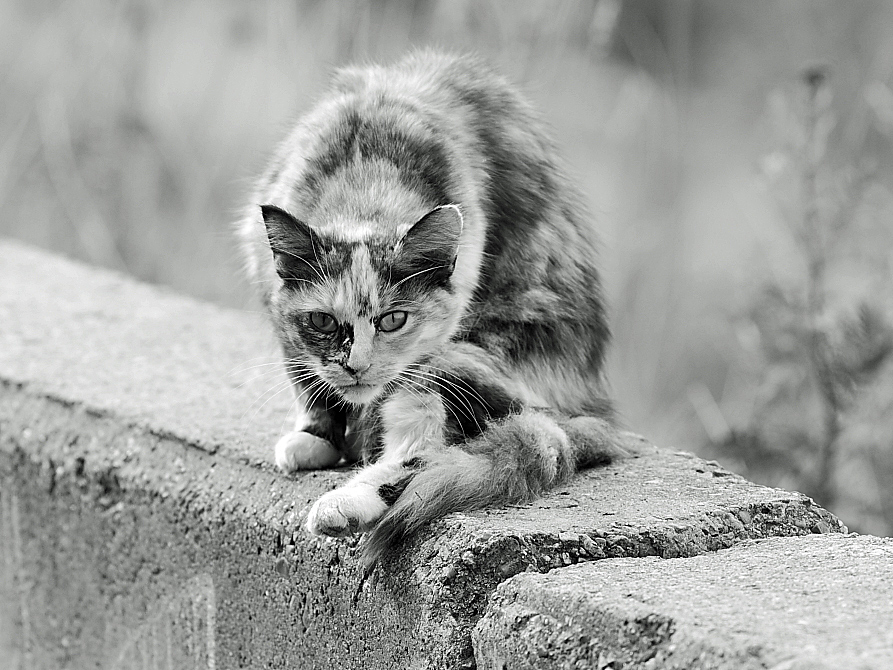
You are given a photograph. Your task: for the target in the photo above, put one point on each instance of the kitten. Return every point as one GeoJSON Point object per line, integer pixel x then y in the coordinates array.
{"type": "Point", "coordinates": [431, 276]}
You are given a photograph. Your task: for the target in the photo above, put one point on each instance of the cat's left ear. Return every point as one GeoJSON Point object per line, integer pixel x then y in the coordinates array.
{"type": "Point", "coordinates": [434, 239]}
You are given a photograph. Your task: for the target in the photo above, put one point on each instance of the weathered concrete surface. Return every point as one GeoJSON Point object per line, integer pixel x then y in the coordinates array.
{"type": "Point", "coordinates": [143, 521]}
{"type": "Point", "coordinates": [168, 363]}
{"type": "Point", "coordinates": [813, 603]}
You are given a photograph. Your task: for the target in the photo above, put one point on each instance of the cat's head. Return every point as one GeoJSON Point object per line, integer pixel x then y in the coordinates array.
{"type": "Point", "coordinates": [358, 314]}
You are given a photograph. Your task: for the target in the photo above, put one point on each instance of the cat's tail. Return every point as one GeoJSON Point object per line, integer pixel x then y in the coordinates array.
{"type": "Point", "coordinates": [516, 460]}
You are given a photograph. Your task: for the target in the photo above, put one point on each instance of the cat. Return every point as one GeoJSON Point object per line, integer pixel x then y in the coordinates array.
{"type": "Point", "coordinates": [431, 275]}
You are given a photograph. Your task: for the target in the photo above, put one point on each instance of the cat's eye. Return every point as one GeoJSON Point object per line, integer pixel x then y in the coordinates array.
{"type": "Point", "coordinates": [392, 321]}
{"type": "Point", "coordinates": [324, 323]}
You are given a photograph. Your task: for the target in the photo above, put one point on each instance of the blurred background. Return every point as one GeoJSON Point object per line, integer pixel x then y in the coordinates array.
{"type": "Point", "coordinates": [738, 158]}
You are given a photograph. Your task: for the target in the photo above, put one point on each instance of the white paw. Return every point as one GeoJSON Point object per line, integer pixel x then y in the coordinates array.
{"type": "Point", "coordinates": [302, 451]}
{"type": "Point", "coordinates": [345, 511]}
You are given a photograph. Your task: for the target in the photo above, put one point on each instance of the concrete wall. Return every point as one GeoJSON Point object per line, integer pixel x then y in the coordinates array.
{"type": "Point", "coordinates": [142, 525]}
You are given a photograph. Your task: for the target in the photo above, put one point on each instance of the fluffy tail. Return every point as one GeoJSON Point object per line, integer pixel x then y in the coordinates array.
{"type": "Point", "coordinates": [514, 461]}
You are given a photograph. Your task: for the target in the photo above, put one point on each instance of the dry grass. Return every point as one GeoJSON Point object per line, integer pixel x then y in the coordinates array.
{"type": "Point", "coordinates": [129, 130]}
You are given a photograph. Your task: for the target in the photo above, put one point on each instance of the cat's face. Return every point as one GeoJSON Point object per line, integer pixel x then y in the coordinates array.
{"type": "Point", "coordinates": [359, 314]}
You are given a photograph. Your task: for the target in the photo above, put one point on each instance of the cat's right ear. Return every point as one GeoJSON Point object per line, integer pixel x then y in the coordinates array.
{"type": "Point", "coordinates": [434, 239]}
{"type": "Point", "coordinates": [294, 245]}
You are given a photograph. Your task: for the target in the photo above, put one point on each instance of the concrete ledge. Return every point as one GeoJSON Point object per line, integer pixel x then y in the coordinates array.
{"type": "Point", "coordinates": [143, 522]}
{"type": "Point", "coordinates": [812, 603]}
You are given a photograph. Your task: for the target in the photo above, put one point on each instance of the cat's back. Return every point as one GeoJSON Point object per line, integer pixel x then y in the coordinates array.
{"type": "Point", "coordinates": [387, 143]}
{"type": "Point", "coordinates": [494, 149]}
{"type": "Point", "coordinates": [384, 145]}
{"type": "Point", "coordinates": [538, 297]}
{"type": "Point", "coordinates": [437, 81]}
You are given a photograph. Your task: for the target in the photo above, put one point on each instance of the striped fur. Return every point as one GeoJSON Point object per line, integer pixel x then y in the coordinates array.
{"type": "Point", "coordinates": [431, 275]}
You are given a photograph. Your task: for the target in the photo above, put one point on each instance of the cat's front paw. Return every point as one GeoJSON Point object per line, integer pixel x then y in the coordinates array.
{"type": "Point", "coordinates": [346, 511]}
{"type": "Point", "coordinates": [303, 451]}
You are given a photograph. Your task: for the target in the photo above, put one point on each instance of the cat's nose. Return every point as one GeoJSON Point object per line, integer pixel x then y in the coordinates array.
{"type": "Point", "coordinates": [357, 368]}
{"type": "Point", "coordinates": [360, 357]}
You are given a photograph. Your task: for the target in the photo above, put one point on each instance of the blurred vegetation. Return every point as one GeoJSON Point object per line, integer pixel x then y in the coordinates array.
{"type": "Point", "coordinates": [819, 351]}
{"type": "Point", "coordinates": [746, 209]}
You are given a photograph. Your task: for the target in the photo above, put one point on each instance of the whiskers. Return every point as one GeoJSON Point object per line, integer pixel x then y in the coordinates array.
{"type": "Point", "coordinates": [458, 396]}
{"type": "Point", "coordinates": [293, 370]}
